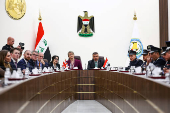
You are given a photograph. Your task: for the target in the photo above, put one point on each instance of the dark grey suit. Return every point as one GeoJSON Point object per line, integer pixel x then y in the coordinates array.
{"type": "Point", "coordinates": [91, 64]}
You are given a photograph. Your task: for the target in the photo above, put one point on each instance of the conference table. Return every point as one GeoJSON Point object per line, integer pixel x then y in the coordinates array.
{"type": "Point", "coordinates": [120, 92]}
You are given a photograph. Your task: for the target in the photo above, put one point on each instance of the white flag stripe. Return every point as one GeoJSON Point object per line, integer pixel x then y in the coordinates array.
{"type": "Point", "coordinates": [135, 33]}
{"type": "Point", "coordinates": [41, 45]}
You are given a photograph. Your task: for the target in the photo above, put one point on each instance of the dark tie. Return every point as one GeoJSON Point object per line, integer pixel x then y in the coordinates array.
{"type": "Point", "coordinates": [35, 64]}
{"type": "Point", "coordinates": [16, 64]}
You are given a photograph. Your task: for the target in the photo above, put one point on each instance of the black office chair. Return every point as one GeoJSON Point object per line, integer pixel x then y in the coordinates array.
{"type": "Point", "coordinates": [101, 57]}
{"type": "Point", "coordinates": [77, 57]}
{"type": "Point", "coordinates": [45, 60]}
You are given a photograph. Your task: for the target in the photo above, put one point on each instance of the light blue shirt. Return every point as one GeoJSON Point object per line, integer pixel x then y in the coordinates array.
{"type": "Point", "coordinates": [38, 64]}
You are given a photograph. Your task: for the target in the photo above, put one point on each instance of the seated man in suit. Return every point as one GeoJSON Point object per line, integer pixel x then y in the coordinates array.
{"type": "Point", "coordinates": [40, 61]}
{"type": "Point", "coordinates": [33, 60]}
{"type": "Point", "coordinates": [95, 62]}
{"type": "Point", "coordinates": [72, 62]}
{"type": "Point", "coordinates": [166, 56]}
{"type": "Point", "coordinates": [15, 52]}
{"type": "Point", "coordinates": [133, 60]}
{"type": "Point", "coordinates": [158, 61]}
{"type": "Point", "coordinates": [24, 63]}
{"type": "Point", "coordinates": [145, 57]}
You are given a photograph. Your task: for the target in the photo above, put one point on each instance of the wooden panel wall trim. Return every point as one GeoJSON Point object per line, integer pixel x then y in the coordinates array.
{"type": "Point", "coordinates": [119, 92]}
{"type": "Point", "coordinates": [163, 22]}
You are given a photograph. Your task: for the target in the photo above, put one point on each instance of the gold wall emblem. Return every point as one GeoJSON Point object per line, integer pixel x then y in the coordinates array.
{"type": "Point", "coordinates": [16, 8]}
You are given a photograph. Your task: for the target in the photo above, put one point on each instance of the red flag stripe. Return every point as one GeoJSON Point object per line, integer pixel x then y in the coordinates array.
{"type": "Point", "coordinates": [40, 34]}
{"type": "Point", "coordinates": [105, 62]}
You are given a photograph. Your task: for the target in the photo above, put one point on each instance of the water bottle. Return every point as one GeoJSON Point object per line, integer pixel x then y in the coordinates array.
{"type": "Point", "coordinates": [27, 72]}
{"type": "Point", "coordinates": [108, 66]}
{"type": "Point", "coordinates": [20, 72]}
{"type": "Point", "coordinates": [7, 73]}
{"type": "Point", "coordinates": [40, 70]}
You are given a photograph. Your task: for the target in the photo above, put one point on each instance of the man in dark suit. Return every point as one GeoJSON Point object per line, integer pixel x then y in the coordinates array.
{"type": "Point", "coordinates": [145, 57]}
{"type": "Point", "coordinates": [15, 52]}
{"type": "Point", "coordinates": [166, 56]}
{"type": "Point", "coordinates": [24, 63]}
{"type": "Point", "coordinates": [95, 62]}
{"type": "Point", "coordinates": [133, 60]}
{"type": "Point", "coordinates": [33, 60]}
{"type": "Point", "coordinates": [158, 61]}
{"type": "Point", "coordinates": [40, 62]}
{"type": "Point", "coordinates": [9, 45]}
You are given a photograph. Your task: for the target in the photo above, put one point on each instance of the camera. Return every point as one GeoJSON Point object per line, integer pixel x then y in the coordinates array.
{"type": "Point", "coordinates": [21, 45]}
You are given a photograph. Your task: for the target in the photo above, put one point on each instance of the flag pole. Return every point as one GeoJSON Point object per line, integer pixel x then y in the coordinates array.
{"type": "Point", "coordinates": [127, 60]}
{"type": "Point", "coordinates": [40, 18]}
{"type": "Point", "coordinates": [135, 17]}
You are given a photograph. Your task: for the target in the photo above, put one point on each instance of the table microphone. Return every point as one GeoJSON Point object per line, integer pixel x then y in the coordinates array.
{"type": "Point", "coordinates": [85, 66]}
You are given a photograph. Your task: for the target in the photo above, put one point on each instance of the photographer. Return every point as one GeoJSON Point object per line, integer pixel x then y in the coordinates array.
{"type": "Point", "coordinates": [9, 45]}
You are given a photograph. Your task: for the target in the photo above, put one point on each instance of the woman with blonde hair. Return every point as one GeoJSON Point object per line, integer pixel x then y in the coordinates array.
{"type": "Point", "coordinates": [5, 59]}
{"type": "Point", "coordinates": [72, 62]}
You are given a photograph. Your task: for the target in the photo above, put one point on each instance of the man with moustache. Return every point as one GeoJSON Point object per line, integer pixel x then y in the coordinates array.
{"type": "Point", "coordinates": [95, 62]}
{"type": "Point", "coordinates": [33, 60]}
{"type": "Point", "coordinates": [24, 63]}
{"type": "Point", "coordinates": [155, 56]}
{"type": "Point", "coordinates": [40, 62]}
{"type": "Point", "coordinates": [133, 60]}
{"type": "Point", "coordinates": [145, 57]}
{"type": "Point", "coordinates": [166, 55]}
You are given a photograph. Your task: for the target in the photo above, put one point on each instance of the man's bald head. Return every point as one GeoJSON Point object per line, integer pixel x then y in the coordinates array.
{"type": "Point", "coordinates": [40, 56]}
{"type": "Point", "coordinates": [10, 41]}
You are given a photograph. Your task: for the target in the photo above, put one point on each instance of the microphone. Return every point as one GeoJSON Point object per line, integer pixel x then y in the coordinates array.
{"type": "Point", "coordinates": [85, 66]}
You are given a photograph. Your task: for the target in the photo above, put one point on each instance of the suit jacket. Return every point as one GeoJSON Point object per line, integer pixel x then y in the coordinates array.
{"type": "Point", "coordinates": [22, 64]}
{"type": "Point", "coordinates": [160, 62]}
{"type": "Point", "coordinates": [136, 63]}
{"type": "Point", "coordinates": [51, 65]}
{"type": "Point", "coordinates": [33, 63]}
{"type": "Point", "coordinates": [91, 64]}
{"type": "Point", "coordinates": [13, 66]}
{"type": "Point", "coordinates": [77, 63]}
{"type": "Point", "coordinates": [167, 65]}
{"type": "Point", "coordinates": [46, 65]}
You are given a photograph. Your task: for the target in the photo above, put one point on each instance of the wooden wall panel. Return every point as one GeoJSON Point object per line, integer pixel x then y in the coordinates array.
{"type": "Point", "coordinates": [163, 22]}
{"type": "Point", "coordinates": [119, 92]}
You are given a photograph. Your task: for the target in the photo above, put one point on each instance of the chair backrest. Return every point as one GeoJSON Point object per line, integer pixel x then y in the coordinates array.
{"type": "Point", "coordinates": [45, 60]}
{"type": "Point", "coordinates": [101, 57]}
{"type": "Point", "coordinates": [77, 57]}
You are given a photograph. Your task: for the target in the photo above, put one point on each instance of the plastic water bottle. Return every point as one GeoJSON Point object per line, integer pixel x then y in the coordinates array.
{"type": "Point", "coordinates": [20, 72]}
{"type": "Point", "coordinates": [27, 72]}
{"type": "Point", "coordinates": [7, 73]}
{"type": "Point", "coordinates": [40, 70]}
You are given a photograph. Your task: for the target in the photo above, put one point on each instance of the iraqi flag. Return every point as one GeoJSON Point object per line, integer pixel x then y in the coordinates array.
{"type": "Point", "coordinates": [105, 63]}
{"type": "Point", "coordinates": [41, 44]}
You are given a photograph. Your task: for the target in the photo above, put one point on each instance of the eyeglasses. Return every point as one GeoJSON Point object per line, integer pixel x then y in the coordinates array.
{"type": "Point", "coordinates": [34, 54]}
{"type": "Point", "coordinates": [56, 59]}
